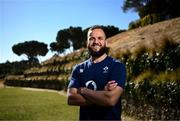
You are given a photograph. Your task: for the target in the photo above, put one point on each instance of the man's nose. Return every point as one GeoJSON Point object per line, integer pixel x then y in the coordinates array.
{"type": "Point", "coordinates": [95, 40]}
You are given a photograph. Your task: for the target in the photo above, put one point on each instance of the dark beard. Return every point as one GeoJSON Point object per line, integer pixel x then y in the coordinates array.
{"type": "Point", "coordinates": [102, 51]}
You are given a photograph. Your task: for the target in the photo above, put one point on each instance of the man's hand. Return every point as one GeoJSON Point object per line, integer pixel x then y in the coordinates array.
{"type": "Point", "coordinates": [74, 97]}
{"type": "Point", "coordinates": [110, 85]}
{"type": "Point", "coordinates": [81, 90]}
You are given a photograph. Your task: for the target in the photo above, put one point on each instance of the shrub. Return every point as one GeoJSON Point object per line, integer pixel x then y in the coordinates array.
{"type": "Point", "coordinates": [152, 101]}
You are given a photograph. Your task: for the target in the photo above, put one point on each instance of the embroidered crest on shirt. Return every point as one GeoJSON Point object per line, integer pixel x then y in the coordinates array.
{"type": "Point", "coordinates": [105, 69]}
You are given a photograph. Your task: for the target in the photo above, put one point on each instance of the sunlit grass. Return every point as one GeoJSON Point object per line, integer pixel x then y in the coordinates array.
{"type": "Point", "coordinates": [144, 76]}
{"type": "Point", "coordinates": [166, 76]}
{"type": "Point", "coordinates": [162, 77]}
{"type": "Point", "coordinates": [18, 104]}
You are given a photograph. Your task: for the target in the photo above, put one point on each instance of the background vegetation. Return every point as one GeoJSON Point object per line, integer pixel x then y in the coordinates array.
{"type": "Point", "coordinates": [151, 11]}
{"type": "Point", "coordinates": [153, 85]}
{"type": "Point", "coordinates": [31, 48]}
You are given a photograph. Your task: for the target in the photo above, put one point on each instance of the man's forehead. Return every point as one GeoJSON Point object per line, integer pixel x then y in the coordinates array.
{"type": "Point", "coordinates": [98, 31]}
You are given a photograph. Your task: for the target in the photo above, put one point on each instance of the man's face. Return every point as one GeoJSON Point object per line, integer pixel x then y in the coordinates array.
{"type": "Point", "coordinates": [96, 42]}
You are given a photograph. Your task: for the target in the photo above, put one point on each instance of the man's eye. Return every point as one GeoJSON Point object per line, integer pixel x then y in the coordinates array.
{"type": "Point", "coordinates": [100, 38]}
{"type": "Point", "coordinates": [91, 38]}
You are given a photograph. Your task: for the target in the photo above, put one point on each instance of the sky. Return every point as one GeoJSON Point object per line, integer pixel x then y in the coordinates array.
{"type": "Point", "coordinates": [26, 20]}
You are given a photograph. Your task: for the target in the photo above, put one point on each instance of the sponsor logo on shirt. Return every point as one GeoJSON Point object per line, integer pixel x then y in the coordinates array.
{"type": "Point", "coordinates": [91, 85]}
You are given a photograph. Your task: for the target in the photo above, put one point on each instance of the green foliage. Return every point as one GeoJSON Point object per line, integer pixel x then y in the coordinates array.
{"type": "Point", "coordinates": [18, 104]}
{"type": "Point", "coordinates": [152, 101]}
{"type": "Point", "coordinates": [16, 67]}
{"type": "Point", "coordinates": [167, 58]}
{"type": "Point", "coordinates": [167, 9]}
{"type": "Point", "coordinates": [152, 90]}
{"type": "Point", "coordinates": [45, 84]}
{"type": "Point", "coordinates": [136, 5]}
{"type": "Point", "coordinates": [57, 47]}
{"type": "Point", "coordinates": [30, 48]}
{"type": "Point", "coordinates": [133, 25]}
{"type": "Point", "coordinates": [148, 19]}
{"type": "Point", "coordinates": [111, 30]}
{"type": "Point", "coordinates": [151, 11]}
{"type": "Point", "coordinates": [52, 75]}
{"type": "Point", "coordinates": [77, 38]}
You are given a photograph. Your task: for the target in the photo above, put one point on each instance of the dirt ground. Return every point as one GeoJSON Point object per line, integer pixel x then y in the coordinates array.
{"type": "Point", "coordinates": [2, 84]}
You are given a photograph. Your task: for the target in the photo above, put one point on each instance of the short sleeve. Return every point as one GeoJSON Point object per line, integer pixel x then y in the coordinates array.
{"type": "Point", "coordinates": [119, 73]}
{"type": "Point", "coordinates": [73, 82]}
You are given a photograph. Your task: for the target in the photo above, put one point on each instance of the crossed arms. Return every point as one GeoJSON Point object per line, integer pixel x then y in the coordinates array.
{"type": "Point", "coordinates": [84, 96]}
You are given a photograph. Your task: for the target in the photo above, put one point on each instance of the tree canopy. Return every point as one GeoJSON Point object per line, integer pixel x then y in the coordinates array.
{"type": "Point", "coordinates": [166, 8]}
{"type": "Point", "coordinates": [30, 48]}
{"type": "Point", "coordinates": [76, 37]}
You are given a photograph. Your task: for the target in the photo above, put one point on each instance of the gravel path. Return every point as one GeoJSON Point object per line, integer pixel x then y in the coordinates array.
{"type": "Point", "coordinates": [2, 84]}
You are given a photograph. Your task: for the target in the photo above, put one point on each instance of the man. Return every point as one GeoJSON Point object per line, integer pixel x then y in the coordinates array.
{"type": "Point", "coordinates": [96, 85]}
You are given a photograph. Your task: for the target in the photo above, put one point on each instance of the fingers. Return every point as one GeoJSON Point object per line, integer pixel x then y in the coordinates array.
{"type": "Point", "coordinates": [111, 82]}
{"type": "Point", "coordinates": [80, 90]}
{"type": "Point", "coordinates": [111, 85]}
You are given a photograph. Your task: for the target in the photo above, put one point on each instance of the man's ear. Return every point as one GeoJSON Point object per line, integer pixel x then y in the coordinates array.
{"type": "Point", "coordinates": [106, 43]}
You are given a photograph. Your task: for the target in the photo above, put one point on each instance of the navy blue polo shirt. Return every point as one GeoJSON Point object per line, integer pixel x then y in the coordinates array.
{"type": "Point", "coordinates": [95, 76]}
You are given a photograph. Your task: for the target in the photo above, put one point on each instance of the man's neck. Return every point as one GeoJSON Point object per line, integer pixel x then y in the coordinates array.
{"type": "Point", "coordinates": [98, 59]}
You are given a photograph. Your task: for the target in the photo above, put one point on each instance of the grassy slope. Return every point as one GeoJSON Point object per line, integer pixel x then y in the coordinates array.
{"type": "Point", "coordinates": [18, 104]}
{"type": "Point", "coordinates": [148, 35]}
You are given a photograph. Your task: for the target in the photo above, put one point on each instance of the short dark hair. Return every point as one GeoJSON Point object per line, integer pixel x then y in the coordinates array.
{"type": "Point", "coordinates": [97, 27]}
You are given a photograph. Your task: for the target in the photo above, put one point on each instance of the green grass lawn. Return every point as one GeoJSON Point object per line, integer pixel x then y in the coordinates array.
{"type": "Point", "coordinates": [19, 104]}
